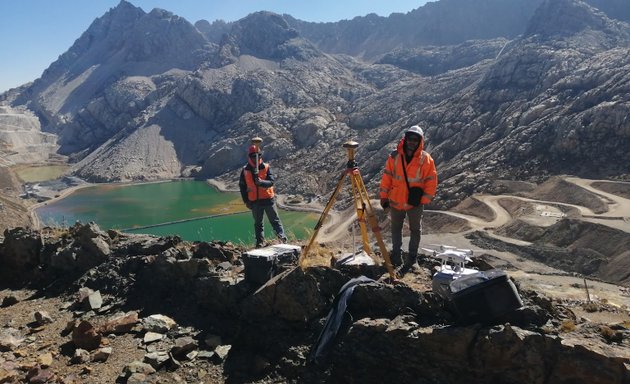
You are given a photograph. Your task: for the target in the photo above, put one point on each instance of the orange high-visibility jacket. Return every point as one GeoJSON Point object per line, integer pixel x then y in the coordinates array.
{"type": "Point", "coordinates": [420, 173]}
{"type": "Point", "coordinates": [257, 192]}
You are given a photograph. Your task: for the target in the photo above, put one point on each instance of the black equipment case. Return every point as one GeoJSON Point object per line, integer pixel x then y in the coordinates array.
{"type": "Point", "coordinates": [263, 263]}
{"type": "Point", "coordinates": [484, 296]}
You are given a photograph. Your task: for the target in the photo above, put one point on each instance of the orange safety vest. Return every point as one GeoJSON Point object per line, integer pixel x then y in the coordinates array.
{"type": "Point", "coordinates": [421, 173]}
{"type": "Point", "coordinates": [255, 192]}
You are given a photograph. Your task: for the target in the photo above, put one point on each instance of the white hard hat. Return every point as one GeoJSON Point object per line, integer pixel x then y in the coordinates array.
{"type": "Point", "coordinates": [415, 129]}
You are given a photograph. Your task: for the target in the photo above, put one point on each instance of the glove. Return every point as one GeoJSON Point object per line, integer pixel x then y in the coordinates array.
{"type": "Point", "coordinates": [385, 203]}
{"type": "Point", "coordinates": [249, 205]}
{"type": "Point", "coordinates": [256, 179]}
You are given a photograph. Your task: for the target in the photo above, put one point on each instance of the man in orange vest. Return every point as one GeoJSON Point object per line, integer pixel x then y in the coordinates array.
{"type": "Point", "coordinates": [408, 183]}
{"type": "Point", "coordinates": [256, 186]}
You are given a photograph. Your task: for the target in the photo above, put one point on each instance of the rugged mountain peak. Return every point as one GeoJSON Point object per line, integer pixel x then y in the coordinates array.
{"type": "Point", "coordinates": [163, 14]}
{"type": "Point", "coordinates": [263, 34]}
{"type": "Point", "coordinates": [124, 41]}
{"type": "Point", "coordinates": [215, 31]}
{"type": "Point", "coordinates": [574, 30]}
{"type": "Point", "coordinates": [444, 22]}
{"type": "Point", "coordinates": [107, 30]}
{"type": "Point", "coordinates": [162, 36]}
{"type": "Point", "coordinates": [565, 18]}
{"type": "Point", "coordinates": [124, 6]}
{"type": "Point", "coordinates": [126, 33]}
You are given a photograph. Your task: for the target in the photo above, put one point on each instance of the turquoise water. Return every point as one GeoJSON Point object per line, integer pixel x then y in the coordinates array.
{"type": "Point", "coordinates": [127, 207]}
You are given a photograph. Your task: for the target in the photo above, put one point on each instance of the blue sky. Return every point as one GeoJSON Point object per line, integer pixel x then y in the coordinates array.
{"type": "Point", "coordinates": [35, 32]}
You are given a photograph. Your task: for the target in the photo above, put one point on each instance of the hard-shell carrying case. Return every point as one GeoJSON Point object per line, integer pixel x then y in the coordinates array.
{"type": "Point", "coordinates": [263, 263]}
{"type": "Point", "coordinates": [484, 296]}
{"type": "Point", "coordinates": [441, 281]}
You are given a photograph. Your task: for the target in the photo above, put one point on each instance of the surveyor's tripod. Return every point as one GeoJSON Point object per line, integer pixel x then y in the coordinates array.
{"type": "Point", "coordinates": [363, 207]}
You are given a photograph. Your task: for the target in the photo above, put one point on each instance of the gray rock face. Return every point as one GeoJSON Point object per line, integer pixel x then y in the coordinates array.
{"type": "Point", "coordinates": [262, 34]}
{"type": "Point", "coordinates": [547, 103]}
{"type": "Point", "coordinates": [567, 17]}
{"type": "Point", "coordinates": [130, 107]}
{"type": "Point", "coordinates": [436, 23]}
{"type": "Point", "coordinates": [21, 248]}
{"type": "Point", "coordinates": [486, 353]}
{"type": "Point", "coordinates": [22, 139]}
{"type": "Point", "coordinates": [430, 61]}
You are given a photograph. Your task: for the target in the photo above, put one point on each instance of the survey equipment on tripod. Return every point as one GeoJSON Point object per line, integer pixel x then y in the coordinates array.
{"type": "Point", "coordinates": [256, 141]}
{"type": "Point", "coordinates": [363, 208]}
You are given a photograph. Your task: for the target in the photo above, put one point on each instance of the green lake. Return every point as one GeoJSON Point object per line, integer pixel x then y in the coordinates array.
{"type": "Point", "coordinates": [191, 209]}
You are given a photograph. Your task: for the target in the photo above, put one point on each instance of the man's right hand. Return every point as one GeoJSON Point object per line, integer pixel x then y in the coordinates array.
{"type": "Point", "coordinates": [249, 205]}
{"type": "Point", "coordinates": [385, 203]}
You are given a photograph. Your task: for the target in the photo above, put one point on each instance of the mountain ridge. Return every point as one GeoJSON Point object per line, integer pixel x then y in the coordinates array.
{"type": "Point", "coordinates": [491, 108]}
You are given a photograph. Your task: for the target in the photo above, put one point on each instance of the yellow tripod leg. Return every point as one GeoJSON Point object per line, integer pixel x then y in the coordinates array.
{"type": "Point", "coordinates": [371, 218]}
{"type": "Point", "coordinates": [322, 217]}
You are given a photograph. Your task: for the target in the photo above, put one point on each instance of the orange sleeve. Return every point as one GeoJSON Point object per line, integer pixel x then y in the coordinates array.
{"type": "Point", "coordinates": [386, 180]}
{"type": "Point", "coordinates": [429, 176]}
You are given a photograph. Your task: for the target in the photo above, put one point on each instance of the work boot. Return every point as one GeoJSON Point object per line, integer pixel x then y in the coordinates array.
{"type": "Point", "coordinates": [396, 258]}
{"type": "Point", "coordinates": [411, 263]}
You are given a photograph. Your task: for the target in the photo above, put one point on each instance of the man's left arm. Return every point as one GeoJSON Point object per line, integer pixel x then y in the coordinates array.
{"type": "Point", "coordinates": [429, 176]}
{"type": "Point", "coordinates": [268, 181]}
{"type": "Point", "coordinates": [242, 186]}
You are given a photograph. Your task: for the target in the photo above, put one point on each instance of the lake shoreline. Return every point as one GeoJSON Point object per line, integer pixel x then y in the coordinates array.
{"type": "Point", "coordinates": [281, 200]}
{"type": "Point", "coordinates": [63, 193]}
{"type": "Point", "coordinates": [218, 185]}
{"type": "Point", "coordinates": [334, 228]}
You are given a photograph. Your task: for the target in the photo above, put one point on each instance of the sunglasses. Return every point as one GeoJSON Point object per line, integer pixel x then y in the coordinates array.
{"type": "Point", "coordinates": [413, 138]}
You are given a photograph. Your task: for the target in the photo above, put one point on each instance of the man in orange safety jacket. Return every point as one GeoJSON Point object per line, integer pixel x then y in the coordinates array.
{"type": "Point", "coordinates": [256, 187]}
{"type": "Point", "coordinates": [408, 183]}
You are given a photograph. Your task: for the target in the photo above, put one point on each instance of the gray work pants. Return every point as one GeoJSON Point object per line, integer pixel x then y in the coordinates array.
{"type": "Point", "coordinates": [272, 214]}
{"type": "Point", "coordinates": [415, 228]}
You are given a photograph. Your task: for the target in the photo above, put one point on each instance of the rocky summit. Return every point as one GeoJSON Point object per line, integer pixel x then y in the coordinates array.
{"type": "Point", "coordinates": [518, 90]}
{"type": "Point", "coordinates": [87, 305]}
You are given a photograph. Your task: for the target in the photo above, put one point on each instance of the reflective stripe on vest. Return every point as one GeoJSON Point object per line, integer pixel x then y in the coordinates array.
{"type": "Point", "coordinates": [410, 180]}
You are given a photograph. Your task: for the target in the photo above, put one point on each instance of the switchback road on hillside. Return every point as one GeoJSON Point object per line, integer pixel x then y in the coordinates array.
{"type": "Point", "coordinates": [617, 216]}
